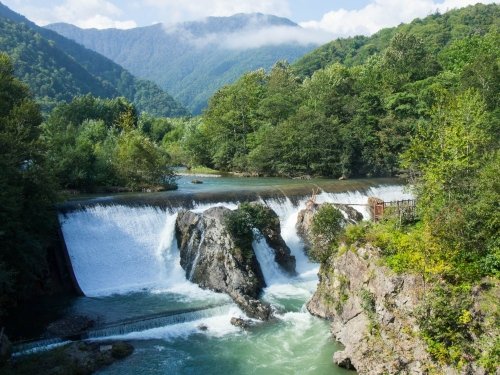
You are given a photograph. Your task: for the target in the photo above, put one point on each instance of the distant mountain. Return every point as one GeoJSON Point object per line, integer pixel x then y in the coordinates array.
{"type": "Point", "coordinates": [193, 59]}
{"type": "Point", "coordinates": [58, 69]}
{"type": "Point", "coordinates": [437, 31]}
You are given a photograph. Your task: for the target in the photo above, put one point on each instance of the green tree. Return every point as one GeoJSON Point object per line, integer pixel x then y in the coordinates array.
{"type": "Point", "coordinates": [449, 156]}
{"type": "Point", "coordinates": [139, 162]}
{"type": "Point", "coordinates": [26, 191]}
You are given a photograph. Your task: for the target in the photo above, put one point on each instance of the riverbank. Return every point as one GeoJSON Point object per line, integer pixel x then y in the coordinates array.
{"type": "Point", "coordinates": [76, 358]}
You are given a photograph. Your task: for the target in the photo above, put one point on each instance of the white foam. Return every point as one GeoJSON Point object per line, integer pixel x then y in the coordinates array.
{"type": "Point", "coordinates": [216, 326]}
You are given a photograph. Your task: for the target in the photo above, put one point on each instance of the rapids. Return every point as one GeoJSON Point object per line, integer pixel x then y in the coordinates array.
{"type": "Point", "coordinates": [126, 261]}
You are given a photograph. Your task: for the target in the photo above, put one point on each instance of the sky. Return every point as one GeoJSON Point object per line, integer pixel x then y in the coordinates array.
{"type": "Point", "coordinates": [321, 18]}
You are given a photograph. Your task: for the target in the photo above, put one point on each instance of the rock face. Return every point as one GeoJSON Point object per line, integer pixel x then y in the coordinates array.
{"type": "Point", "coordinates": [5, 348]}
{"type": "Point", "coordinates": [371, 312]}
{"type": "Point", "coordinates": [70, 327]}
{"type": "Point", "coordinates": [211, 259]}
{"type": "Point", "coordinates": [305, 219]}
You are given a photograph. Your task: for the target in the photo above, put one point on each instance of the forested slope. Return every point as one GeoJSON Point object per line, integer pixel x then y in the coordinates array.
{"type": "Point", "coordinates": [58, 69]}
{"type": "Point", "coordinates": [192, 60]}
{"type": "Point", "coordinates": [436, 32]}
{"type": "Point", "coordinates": [350, 120]}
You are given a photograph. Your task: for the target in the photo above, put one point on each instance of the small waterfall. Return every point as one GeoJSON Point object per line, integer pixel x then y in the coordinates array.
{"type": "Point", "coordinates": [120, 249]}
{"type": "Point", "coordinates": [197, 258]}
{"type": "Point", "coordinates": [270, 269]}
{"type": "Point", "coordinates": [287, 212]}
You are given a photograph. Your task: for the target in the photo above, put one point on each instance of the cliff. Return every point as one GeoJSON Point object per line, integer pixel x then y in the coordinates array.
{"type": "Point", "coordinates": [374, 315]}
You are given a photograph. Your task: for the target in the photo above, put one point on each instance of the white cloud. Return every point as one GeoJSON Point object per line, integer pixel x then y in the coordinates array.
{"type": "Point", "coordinates": [98, 14]}
{"type": "Point", "coordinates": [255, 38]}
{"type": "Point", "coordinates": [182, 10]}
{"type": "Point", "coordinates": [381, 13]}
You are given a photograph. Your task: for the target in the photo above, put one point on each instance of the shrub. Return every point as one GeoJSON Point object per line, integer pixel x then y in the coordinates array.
{"type": "Point", "coordinates": [243, 222]}
{"type": "Point", "coordinates": [327, 226]}
{"type": "Point", "coordinates": [447, 323]}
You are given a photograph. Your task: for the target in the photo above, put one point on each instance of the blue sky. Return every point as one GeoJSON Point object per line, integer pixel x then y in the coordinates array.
{"type": "Point", "coordinates": [335, 17]}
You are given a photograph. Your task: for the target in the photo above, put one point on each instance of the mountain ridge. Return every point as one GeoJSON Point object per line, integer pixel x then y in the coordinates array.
{"type": "Point", "coordinates": [188, 59]}
{"type": "Point", "coordinates": [42, 57]}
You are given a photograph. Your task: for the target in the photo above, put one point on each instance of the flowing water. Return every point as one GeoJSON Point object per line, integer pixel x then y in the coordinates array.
{"type": "Point", "coordinates": [126, 261]}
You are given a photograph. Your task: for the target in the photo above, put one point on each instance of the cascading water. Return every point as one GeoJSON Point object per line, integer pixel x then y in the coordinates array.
{"type": "Point", "coordinates": [119, 250]}
{"type": "Point", "coordinates": [265, 256]}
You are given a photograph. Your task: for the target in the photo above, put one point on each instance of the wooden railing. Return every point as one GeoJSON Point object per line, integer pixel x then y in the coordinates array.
{"type": "Point", "coordinates": [404, 210]}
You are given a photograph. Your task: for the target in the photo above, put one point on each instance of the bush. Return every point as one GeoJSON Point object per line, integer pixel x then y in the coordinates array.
{"type": "Point", "coordinates": [447, 323]}
{"type": "Point", "coordinates": [327, 226]}
{"type": "Point", "coordinates": [356, 233]}
{"type": "Point", "coordinates": [242, 223]}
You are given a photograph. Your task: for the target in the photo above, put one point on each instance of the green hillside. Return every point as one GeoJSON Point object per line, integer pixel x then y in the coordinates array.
{"type": "Point", "coordinates": [190, 61]}
{"type": "Point", "coordinates": [436, 31]}
{"type": "Point", "coordinates": [58, 69]}
{"type": "Point", "coordinates": [350, 119]}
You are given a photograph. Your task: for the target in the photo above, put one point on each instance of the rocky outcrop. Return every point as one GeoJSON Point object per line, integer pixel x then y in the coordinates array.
{"type": "Point", "coordinates": [241, 323]}
{"type": "Point", "coordinates": [372, 313]}
{"type": "Point", "coordinates": [5, 348]}
{"type": "Point", "coordinates": [70, 327]}
{"type": "Point", "coordinates": [75, 358]}
{"type": "Point", "coordinates": [271, 232]}
{"type": "Point", "coordinates": [211, 259]}
{"type": "Point", "coordinates": [305, 219]}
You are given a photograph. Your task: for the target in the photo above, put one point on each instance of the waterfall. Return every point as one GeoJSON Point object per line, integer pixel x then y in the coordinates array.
{"type": "Point", "coordinates": [119, 249]}
{"type": "Point", "coordinates": [265, 256]}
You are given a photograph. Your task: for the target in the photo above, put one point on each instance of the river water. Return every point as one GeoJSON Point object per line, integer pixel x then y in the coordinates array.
{"type": "Point", "coordinates": [126, 261]}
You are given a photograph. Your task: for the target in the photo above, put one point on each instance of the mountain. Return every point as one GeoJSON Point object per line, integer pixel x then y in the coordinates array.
{"type": "Point", "coordinates": [437, 31]}
{"type": "Point", "coordinates": [192, 60]}
{"type": "Point", "coordinates": [58, 69]}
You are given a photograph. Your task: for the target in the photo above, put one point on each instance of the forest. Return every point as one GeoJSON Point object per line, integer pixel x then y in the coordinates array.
{"type": "Point", "coordinates": [58, 69]}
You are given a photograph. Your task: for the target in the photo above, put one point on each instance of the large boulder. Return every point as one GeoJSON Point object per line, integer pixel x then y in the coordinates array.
{"type": "Point", "coordinates": [5, 348]}
{"type": "Point", "coordinates": [306, 216]}
{"type": "Point", "coordinates": [213, 258]}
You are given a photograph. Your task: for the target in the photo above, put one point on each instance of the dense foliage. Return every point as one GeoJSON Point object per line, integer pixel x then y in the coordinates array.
{"type": "Point", "coordinates": [348, 121]}
{"type": "Point", "coordinates": [189, 60]}
{"type": "Point", "coordinates": [436, 31]}
{"type": "Point", "coordinates": [99, 143]}
{"type": "Point", "coordinates": [58, 69]}
{"type": "Point", "coordinates": [453, 161]}
{"type": "Point", "coordinates": [246, 222]}
{"type": "Point", "coordinates": [26, 191]}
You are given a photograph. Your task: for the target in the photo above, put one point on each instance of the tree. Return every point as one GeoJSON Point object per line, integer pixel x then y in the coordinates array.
{"type": "Point", "coordinates": [231, 117]}
{"type": "Point", "coordinates": [450, 157]}
{"type": "Point", "coordinates": [26, 191]}
{"type": "Point", "coordinates": [139, 162]}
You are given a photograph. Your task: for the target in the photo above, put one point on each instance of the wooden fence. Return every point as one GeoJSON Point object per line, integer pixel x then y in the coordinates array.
{"type": "Point", "coordinates": [404, 210]}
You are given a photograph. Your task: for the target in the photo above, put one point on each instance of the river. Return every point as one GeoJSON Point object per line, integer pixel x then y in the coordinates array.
{"type": "Point", "coordinates": [126, 261]}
